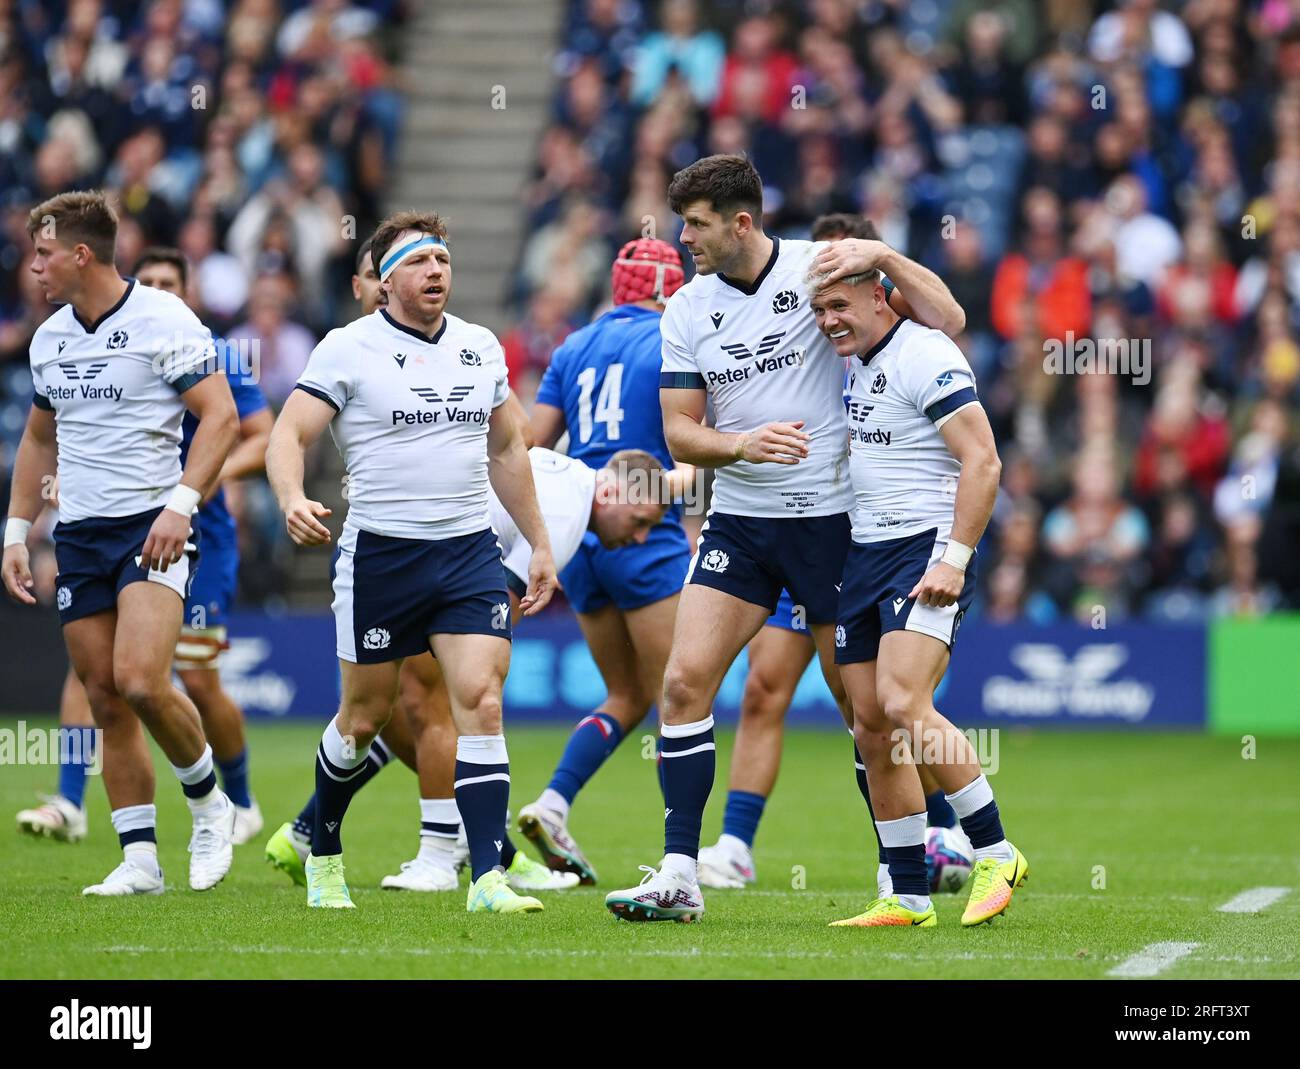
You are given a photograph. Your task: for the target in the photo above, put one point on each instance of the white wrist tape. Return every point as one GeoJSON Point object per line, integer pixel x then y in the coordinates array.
{"type": "Point", "coordinates": [184, 500]}
{"type": "Point", "coordinates": [16, 531]}
{"type": "Point", "coordinates": [957, 555]}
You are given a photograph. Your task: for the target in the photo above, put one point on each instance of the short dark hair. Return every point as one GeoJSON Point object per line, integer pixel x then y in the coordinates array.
{"type": "Point", "coordinates": [836, 225]}
{"type": "Point", "coordinates": [653, 479]}
{"type": "Point", "coordinates": [363, 254]}
{"type": "Point", "coordinates": [387, 231]}
{"type": "Point", "coordinates": [78, 218]}
{"type": "Point", "coordinates": [729, 183]}
{"type": "Point", "coordinates": [164, 254]}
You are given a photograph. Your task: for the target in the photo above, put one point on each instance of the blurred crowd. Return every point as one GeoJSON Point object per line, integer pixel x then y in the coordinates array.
{"type": "Point", "coordinates": [1126, 173]}
{"type": "Point", "coordinates": [255, 135]}
{"type": "Point", "coordinates": [1123, 172]}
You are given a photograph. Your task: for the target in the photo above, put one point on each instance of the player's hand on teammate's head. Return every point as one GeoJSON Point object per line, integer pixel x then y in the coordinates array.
{"type": "Point", "coordinates": [167, 541]}
{"type": "Point", "coordinates": [542, 582]}
{"type": "Point", "coordinates": [775, 443]}
{"type": "Point", "coordinates": [940, 587]}
{"type": "Point", "coordinates": [300, 520]}
{"type": "Point", "coordinates": [18, 575]}
{"type": "Point", "coordinates": [849, 256]}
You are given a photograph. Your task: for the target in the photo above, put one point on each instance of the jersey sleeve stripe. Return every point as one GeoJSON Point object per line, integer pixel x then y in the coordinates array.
{"type": "Point", "coordinates": [681, 380]}
{"type": "Point", "coordinates": [42, 402]}
{"type": "Point", "coordinates": [947, 405]}
{"type": "Point", "coordinates": [189, 379]}
{"type": "Point", "coordinates": [320, 395]}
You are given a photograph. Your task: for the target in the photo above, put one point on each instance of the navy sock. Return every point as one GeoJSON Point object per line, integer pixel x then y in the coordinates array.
{"type": "Point", "coordinates": [376, 760]}
{"type": "Point", "coordinates": [740, 818]}
{"type": "Point", "coordinates": [938, 813]}
{"type": "Point", "coordinates": [76, 751]}
{"type": "Point", "coordinates": [907, 870]}
{"type": "Point", "coordinates": [984, 827]}
{"type": "Point", "coordinates": [508, 850]}
{"type": "Point", "coordinates": [593, 740]}
{"type": "Point", "coordinates": [234, 779]}
{"type": "Point", "coordinates": [203, 788]}
{"type": "Point", "coordinates": [659, 765]}
{"type": "Point", "coordinates": [687, 763]}
{"type": "Point", "coordinates": [860, 768]}
{"type": "Point", "coordinates": [335, 786]}
{"type": "Point", "coordinates": [482, 796]}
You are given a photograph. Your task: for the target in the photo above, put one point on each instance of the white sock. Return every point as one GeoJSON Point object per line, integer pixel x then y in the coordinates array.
{"type": "Point", "coordinates": [733, 845]}
{"type": "Point", "coordinates": [884, 882]}
{"type": "Point", "coordinates": [999, 851]}
{"type": "Point", "coordinates": [143, 856]}
{"type": "Point", "coordinates": [681, 866]}
{"type": "Point", "coordinates": [555, 802]}
{"type": "Point", "coordinates": [437, 846]}
{"type": "Point", "coordinates": [916, 903]}
{"type": "Point", "coordinates": [197, 773]}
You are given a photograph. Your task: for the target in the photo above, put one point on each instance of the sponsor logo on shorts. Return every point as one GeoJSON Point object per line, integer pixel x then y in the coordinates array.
{"type": "Point", "coordinates": [64, 597]}
{"type": "Point", "coordinates": [500, 615]}
{"type": "Point", "coordinates": [376, 639]}
{"type": "Point", "coordinates": [841, 639]}
{"type": "Point", "coordinates": [898, 605]}
{"type": "Point", "coordinates": [715, 560]}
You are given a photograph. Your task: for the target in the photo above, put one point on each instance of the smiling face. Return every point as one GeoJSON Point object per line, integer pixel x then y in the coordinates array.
{"type": "Point", "coordinates": [713, 240]}
{"type": "Point", "coordinates": [854, 318]}
{"type": "Point", "coordinates": [421, 284]}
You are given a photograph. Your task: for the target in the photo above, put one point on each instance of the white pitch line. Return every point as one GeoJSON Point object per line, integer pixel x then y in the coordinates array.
{"type": "Point", "coordinates": [1254, 900]}
{"type": "Point", "coordinates": [1153, 959]}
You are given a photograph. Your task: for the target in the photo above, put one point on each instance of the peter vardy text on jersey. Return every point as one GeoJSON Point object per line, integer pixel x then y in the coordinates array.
{"type": "Point", "coordinates": [794, 358]}
{"type": "Point", "coordinates": [96, 393]}
{"type": "Point", "coordinates": [447, 415]}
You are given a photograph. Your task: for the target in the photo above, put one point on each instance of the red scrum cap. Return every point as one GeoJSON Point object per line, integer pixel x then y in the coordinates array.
{"type": "Point", "coordinates": [646, 269]}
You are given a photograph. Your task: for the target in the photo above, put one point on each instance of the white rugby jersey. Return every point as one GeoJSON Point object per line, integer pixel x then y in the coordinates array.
{"type": "Point", "coordinates": [898, 396]}
{"type": "Point", "coordinates": [757, 351]}
{"type": "Point", "coordinates": [115, 389]}
{"type": "Point", "coordinates": [565, 491]}
{"type": "Point", "coordinates": [411, 421]}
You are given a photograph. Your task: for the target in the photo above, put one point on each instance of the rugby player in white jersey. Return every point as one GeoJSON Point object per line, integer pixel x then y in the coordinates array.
{"type": "Point", "coordinates": [114, 371]}
{"type": "Point", "coordinates": [62, 817]}
{"type": "Point", "coordinates": [781, 651]}
{"type": "Point", "coordinates": [414, 398]}
{"type": "Point", "coordinates": [740, 335]}
{"type": "Point", "coordinates": [422, 736]}
{"type": "Point", "coordinates": [925, 474]}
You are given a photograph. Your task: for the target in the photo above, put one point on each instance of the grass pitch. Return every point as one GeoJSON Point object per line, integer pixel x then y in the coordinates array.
{"type": "Point", "coordinates": [1132, 840]}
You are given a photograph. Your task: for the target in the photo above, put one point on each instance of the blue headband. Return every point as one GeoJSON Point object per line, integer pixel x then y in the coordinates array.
{"type": "Point", "coordinates": [395, 257]}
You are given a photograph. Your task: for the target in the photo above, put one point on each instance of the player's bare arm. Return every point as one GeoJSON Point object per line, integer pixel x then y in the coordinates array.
{"type": "Point", "coordinates": [919, 293]}
{"type": "Point", "coordinates": [546, 425]}
{"type": "Point", "coordinates": [212, 404]}
{"type": "Point", "coordinates": [34, 468]}
{"type": "Point", "coordinates": [516, 409]}
{"type": "Point", "coordinates": [249, 455]}
{"type": "Point", "coordinates": [302, 420]}
{"type": "Point", "coordinates": [692, 442]}
{"type": "Point", "coordinates": [970, 439]}
{"type": "Point", "coordinates": [511, 476]}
